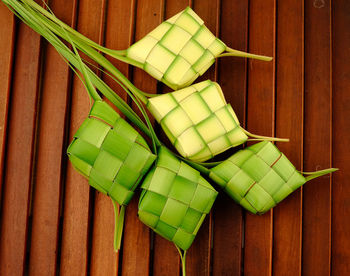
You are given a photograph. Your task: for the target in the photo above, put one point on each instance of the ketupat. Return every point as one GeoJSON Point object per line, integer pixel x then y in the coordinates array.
{"type": "Point", "coordinates": [112, 155]}
{"type": "Point", "coordinates": [260, 176]}
{"type": "Point", "coordinates": [176, 52]}
{"type": "Point", "coordinates": [175, 199]}
{"type": "Point", "coordinates": [180, 49]}
{"type": "Point", "coordinates": [199, 122]}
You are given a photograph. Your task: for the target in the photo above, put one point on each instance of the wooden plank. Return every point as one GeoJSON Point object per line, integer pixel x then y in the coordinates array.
{"type": "Point", "coordinates": [137, 243]}
{"type": "Point", "coordinates": [287, 234]}
{"type": "Point", "coordinates": [261, 120]}
{"type": "Point", "coordinates": [166, 259]}
{"type": "Point", "coordinates": [20, 152]}
{"type": "Point", "coordinates": [341, 128]}
{"type": "Point", "coordinates": [7, 31]}
{"type": "Point", "coordinates": [77, 195]}
{"type": "Point", "coordinates": [51, 143]}
{"type": "Point", "coordinates": [228, 220]}
{"type": "Point", "coordinates": [317, 140]}
{"type": "Point", "coordinates": [198, 259]}
{"type": "Point", "coordinates": [119, 20]}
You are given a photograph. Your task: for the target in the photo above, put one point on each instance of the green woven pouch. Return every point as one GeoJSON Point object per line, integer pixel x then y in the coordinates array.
{"type": "Point", "coordinates": [199, 122]}
{"type": "Point", "coordinates": [179, 50]}
{"type": "Point", "coordinates": [110, 153]}
{"type": "Point", "coordinates": [175, 200]}
{"type": "Point", "coordinates": [260, 176]}
{"type": "Point", "coordinates": [113, 156]}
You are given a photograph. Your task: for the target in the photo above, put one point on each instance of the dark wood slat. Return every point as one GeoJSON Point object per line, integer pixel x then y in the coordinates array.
{"type": "Point", "coordinates": [227, 232]}
{"type": "Point", "coordinates": [104, 258]}
{"type": "Point", "coordinates": [317, 141]}
{"type": "Point", "coordinates": [166, 259]}
{"type": "Point", "coordinates": [7, 31]}
{"type": "Point", "coordinates": [341, 129]}
{"type": "Point", "coordinates": [137, 243]}
{"type": "Point", "coordinates": [287, 234]}
{"type": "Point", "coordinates": [20, 152]}
{"type": "Point", "coordinates": [119, 20]}
{"type": "Point", "coordinates": [51, 140]}
{"type": "Point", "coordinates": [260, 120]}
{"type": "Point", "coordinates": [198, 259]}
{"type": "Point", "coordinates": [77, 201]}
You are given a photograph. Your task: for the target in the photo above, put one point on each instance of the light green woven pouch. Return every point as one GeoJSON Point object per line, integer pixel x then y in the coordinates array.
{"type": "Point", "coordinates": [176, 52]}
{"type": "Point", "coordinates": [112, 155]}
{"type": "Point", "coordinates": [260, 176]}
{"type": "Point", "coordinates": [175, 199]}
{"type": "Point", "coordinates": [199, 122]}
{"type": "Point", "coordinates": [179, 50]}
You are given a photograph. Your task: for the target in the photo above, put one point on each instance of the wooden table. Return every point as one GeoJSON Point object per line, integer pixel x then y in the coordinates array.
{"type": "Point", "coordinates": [51, 221]}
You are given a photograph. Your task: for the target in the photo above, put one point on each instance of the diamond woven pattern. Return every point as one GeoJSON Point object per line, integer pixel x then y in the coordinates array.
{"type": "Point", "coordinates": [198, 121]}
{"type": "Point", "coordinates": [175, 200]}
{"type": "Point", "coordinates": [258, 177]}
{"type": "Point", "coordinates": [178, 50]}
{"type": "Point", "coordinates": [110, 153]}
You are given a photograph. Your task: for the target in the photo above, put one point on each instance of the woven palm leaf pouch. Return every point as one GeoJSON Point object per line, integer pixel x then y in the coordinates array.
{"type": "Point", "coordinates": [175, 199]}
{"type": "Point", "coordinates": [176, 52]}
{"type": "Point", "coordinates": [198, 121]}
{"type": "Point", "coordinates": [260, 176]}
{"type": "Point", "coordinates": [180, 49]}
{"type": "Point", "coordinates": [112, 155]}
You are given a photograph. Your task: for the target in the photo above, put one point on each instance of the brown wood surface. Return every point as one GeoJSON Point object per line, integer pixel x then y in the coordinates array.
{"type": "Point", "coordinates": [52, 222]}
{"type": "Point", "coordinates": [20, 153]}
{"type": "Point", "coordinates": [77, 202]}
{"type": "Point", "coordinates": [7, 32]}
{"type": "Point", "coordinates": [287, 222]}
{"type": "Point", "coordinates": [317, 140]}
{"type": "Point", "coordinates": [48, 167]}
{"type": "Point", "coordinates": [340, 226]}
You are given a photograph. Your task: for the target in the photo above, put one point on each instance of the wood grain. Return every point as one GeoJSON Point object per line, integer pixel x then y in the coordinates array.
{"type": "Point", "coordinates": [7, 33]}
{"type": "Point", "coordinates": [287, 231]}
{"type": "Point", "coordinates": [260, 120]}
{"type": "Point", "coordinates": [51, 155]}
{"type": "Point", "coordinates": [75, 247]}
{"type": "Point", "coordinates": [20, 152]}
{"type": "Point", "coordinates": [227, 215]}
{"type": "Point", "coordinates": [340, 225]}
{"type": "Point", "coordinates": [66, 227]}
{"type": "Point", "coordinates": [317, 149]}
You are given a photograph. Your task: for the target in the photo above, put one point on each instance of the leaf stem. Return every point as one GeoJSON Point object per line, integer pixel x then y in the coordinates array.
{"type": "Point", "coordinates": [235, 53]}
{"type": "Point", "coordinates": [93, 54]}
{"type": "Point", "coordinates": [119, 224]}
{"type": "Point", "coordinates": [183, 260]}
{"type": "Point", "coordinates": [312, 175]}
{"type": "Point", "coordinates": [263, 138]}
{"type": "Point", "coordinates": [53, 18]}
